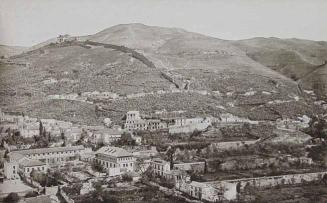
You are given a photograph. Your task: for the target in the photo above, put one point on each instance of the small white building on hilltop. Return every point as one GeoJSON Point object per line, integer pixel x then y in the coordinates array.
{"type": "Point", "coordinates": [115, 161]}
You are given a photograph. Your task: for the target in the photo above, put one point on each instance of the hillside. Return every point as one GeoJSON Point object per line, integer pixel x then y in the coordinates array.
{"type": "Point", "coordinates": [189, 54]}
{"type": "Point", "coordinates": [301, 60]}
{"type": "Point", "coordinates": [72, 68]}
{"type": "Point", "coordinates": [168, 68]}
{"type": "Point", "coordinates": [7, 51]}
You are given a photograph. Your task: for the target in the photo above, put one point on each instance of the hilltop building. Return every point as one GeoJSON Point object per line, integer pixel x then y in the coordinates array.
{"type": "Point", "coordinates": [65, 38]}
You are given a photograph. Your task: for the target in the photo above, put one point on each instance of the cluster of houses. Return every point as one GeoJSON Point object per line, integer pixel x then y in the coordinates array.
{"type": "Point", "coordinates": [136, 122]}
{"type": "Point", "coordinates": [117, 161]}
{"type": "Point", "coordinates": [84, 96]}
{"type": "Point", "coordinates": [30, 127]}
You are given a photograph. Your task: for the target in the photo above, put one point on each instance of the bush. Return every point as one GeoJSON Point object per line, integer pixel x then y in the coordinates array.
{"type": "Point", "coordinates": [31, 194]}
{"type": "Point", "coordinates": [74, 189]}
{"type": "Point", "coordinates": [127, 178]}
{"type": "Point", "coordinates": [12, 198]}
{"type": "Point", "coordinates": [97, 167]}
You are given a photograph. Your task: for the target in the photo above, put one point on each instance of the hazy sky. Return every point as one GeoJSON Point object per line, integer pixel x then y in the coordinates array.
{"type": "Point", "coordinates": [28, 22]}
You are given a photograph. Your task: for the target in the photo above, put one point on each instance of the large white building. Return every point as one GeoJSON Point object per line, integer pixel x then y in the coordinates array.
{"type": "Point", "coordinates": [18, 163]}
{"type": "Point", "coordinates": [40, 159]}
{"type": "Point", "coordinates": [115, 161]}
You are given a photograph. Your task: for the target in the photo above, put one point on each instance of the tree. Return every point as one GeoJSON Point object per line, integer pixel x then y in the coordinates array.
{"type": "Point", "coordinates": [317, 127]}
{"type": "Point", "coordinates": [324, 179]}
{"type": "Point", "coordinates": [62, 135]}
{"type": "Point", "coordinates": [170, 153]}
{"type": "Point", "coordinates": [127, 178]}
{"type": "Point", "coordinates": [97, 167]}
{"type": "Point", "coordinates": [238, 187]}
{"type": "Point", "coordinates": [126, 139]}
{"type": "Point", "coordinates": [12, 198]}
{"type": "Point", "coordinates": [40, 128]}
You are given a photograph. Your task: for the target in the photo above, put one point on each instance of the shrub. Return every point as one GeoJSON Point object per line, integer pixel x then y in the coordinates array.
{"type": "Point", "coordinates": [127, 178]}
{"type": "Point", "coordinates": [12, 198]}
{"type": "Point", "coordinates": [31, 194]}
{"type": "Point", "coordinates": [97, 167]}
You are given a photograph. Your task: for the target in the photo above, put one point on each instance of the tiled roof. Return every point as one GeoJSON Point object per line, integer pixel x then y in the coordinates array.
{"type": "Point", "coordinates": [30, 162]}
{"type": "Point", "coordinates": [113, 151]}
{"type": "Point", "coordinates": [47, 150]}
{"type": "Point", "coordinates": [15, 156]}
{"type": "Point", "coordinates": [160, 161]}
{"type": "Point", "coordinates": [198, 184]}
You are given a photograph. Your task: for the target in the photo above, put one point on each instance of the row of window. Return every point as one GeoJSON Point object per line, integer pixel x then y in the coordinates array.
{"type": "Point", "coordinates": [36, 168]}
{"type": "Point", "coordinates": [52, 153]}
{"type": "Point", "coordinates": [113, 165]}
{"type": "Point", "coordinates": [125, 159]}
{"type": "Point", "coordinates": [158, 167]}
{"type": "Point", "coordinates": [126, 165]}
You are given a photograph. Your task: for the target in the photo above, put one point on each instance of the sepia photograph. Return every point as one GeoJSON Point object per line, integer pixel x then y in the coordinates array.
{"type": "Point", "coordinates": [163, 101]}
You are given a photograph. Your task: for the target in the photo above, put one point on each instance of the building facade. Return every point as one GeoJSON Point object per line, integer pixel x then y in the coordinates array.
{"type": "Point", "coordinates": [116, 161]}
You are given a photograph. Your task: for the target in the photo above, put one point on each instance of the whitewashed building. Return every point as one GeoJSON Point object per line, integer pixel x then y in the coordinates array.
{"type": "Point", "coordinates": [188, 125]}
{"type": "Point", "coordinates": [106, 136]}
{"type": "Point", "coordinates": [115, 161]}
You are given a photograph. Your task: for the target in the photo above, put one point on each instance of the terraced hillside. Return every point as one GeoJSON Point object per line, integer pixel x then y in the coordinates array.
{"type": "Point", "coordinates": [72, 68]}
{"type": "Point", "coordinates": [199, 74]}
{"type": "Point", "coordinates": [301, 60]}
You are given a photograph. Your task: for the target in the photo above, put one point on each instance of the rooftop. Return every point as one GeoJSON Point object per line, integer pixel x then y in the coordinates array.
{"type": "Point", "coordinates": [47, 150]}
{"type": "Point", "coordinates": [160, 161]}
{"type": "Point", "coordinates": [113, 151]}
{"type": "Point", "coordinates": [30, 162]}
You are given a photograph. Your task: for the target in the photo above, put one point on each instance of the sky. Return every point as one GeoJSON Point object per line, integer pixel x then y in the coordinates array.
{"type": "Point", "coordinates": [28, 22]}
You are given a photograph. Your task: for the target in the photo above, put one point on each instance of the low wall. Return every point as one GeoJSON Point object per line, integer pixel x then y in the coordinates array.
{"type": "Point", "coordinates": [188, 128]}
{"type": "Point", "coordinates": [271, 181]}
{"type": "Point", "coordinates": [232, 145]}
